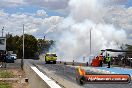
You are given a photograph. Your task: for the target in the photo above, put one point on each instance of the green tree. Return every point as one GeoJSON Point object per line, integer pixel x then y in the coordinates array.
{"type": "Point", "coordinates": [45, 45]}
{"type": "Point", "coordinates": [30, 46]}
{"type": "Point", "coordinates": [9, 42]}
{"type": "Point", "coordinates": [33, 47]}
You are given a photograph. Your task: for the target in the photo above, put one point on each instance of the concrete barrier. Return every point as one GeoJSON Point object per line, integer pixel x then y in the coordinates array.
{"type": "Point", "coordinates": [37, 79]}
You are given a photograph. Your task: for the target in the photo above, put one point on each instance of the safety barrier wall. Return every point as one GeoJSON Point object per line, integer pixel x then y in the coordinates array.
{"type": "Point", "coordinates": [37, 79]}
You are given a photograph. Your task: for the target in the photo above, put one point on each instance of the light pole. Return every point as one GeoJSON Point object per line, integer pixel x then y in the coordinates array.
{"type": "Point", "coordinates": [90, 44]}
{"type": "Point", "coordinates": [44, 37]}
{"type": "Point", "coordinates": [2, 31]}
{"type": "Point", "coordinates": [23, 49]}
{"type": "Point", "coordinates": [43, 46]}
{"type": "Point", "coordinates": [90, 41]}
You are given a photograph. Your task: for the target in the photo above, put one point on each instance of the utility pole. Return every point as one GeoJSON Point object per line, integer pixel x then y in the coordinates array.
{"type": "Point", "coordinates": [23, 49]}
{"type": "Point", "coordinates": [90, 41]}
{"type": "Point", "coordinates": [2, 31]}
{"type": "Point", "coordinates": [43, 46]}
{"type": "Point", "coordinates": [44, 37]}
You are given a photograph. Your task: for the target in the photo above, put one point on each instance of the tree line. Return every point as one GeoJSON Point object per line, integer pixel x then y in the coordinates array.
{"type": "Point", "coordinates": [32, 46]}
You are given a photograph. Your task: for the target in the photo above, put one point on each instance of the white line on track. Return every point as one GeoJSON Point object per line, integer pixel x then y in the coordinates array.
{"type": "Point", "coordinates": [50, 82]}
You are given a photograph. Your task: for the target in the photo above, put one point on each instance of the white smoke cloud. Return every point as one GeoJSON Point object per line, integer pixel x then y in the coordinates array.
{"type": "Point", "coordinates": [90, 9]}
{"type": "Point", "coordinates": [41, 13]}
{"type": "Point", "coordinates": [72, 35]}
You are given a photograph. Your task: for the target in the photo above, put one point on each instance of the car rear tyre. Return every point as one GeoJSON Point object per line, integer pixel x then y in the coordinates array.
{"type": "Point", "coordinates": [47, 62]}
{"type": "Point", "coordinates": [54, 62]}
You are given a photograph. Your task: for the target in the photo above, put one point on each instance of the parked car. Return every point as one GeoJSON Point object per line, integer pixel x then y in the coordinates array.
{"type": "Point", "coordinates": [14, 56]}
{"type": "Point", "coordinates": [9, 59]}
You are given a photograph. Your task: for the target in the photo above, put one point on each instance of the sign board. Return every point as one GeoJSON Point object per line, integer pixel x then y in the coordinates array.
{"type": "Point", "coordinates": [2, 43]}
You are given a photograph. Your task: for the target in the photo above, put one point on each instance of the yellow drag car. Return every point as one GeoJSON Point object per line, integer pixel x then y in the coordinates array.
{"type": "Point", "coordinates": [50, 57]}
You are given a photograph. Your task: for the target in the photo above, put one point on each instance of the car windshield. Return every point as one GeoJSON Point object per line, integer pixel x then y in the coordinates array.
{"type": "Point", "coordinates": [54, 55]}
{"type": "Point", "coordinates": [13, 54]}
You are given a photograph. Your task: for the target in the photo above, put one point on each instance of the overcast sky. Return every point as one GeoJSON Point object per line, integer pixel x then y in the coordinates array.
{"type": "Point", "coordinates": [40, 15]}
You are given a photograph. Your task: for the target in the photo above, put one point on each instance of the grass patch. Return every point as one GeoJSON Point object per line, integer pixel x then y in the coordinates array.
{"type": "Point", "coordinates": [6, 74]}
{"type": "Point", "coordinates": [5, 85]}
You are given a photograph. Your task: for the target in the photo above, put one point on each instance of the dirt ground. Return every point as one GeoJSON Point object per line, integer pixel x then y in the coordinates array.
{"type": "Point", "coordinates": [18, 79]}
{"type": "Point", "coordinates": [18, 85]}
{"type": "Point", "coordinates": [18, 73]}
